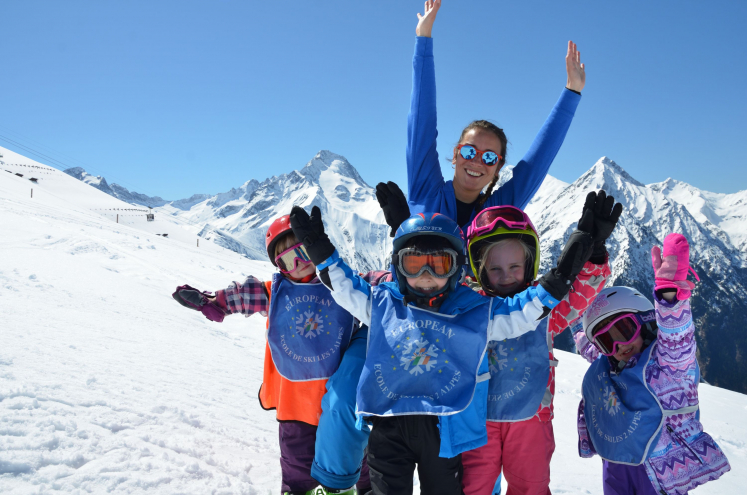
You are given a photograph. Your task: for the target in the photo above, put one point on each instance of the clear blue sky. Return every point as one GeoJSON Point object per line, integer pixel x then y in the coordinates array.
{"type": "Point", "coordinates": [173, 98]}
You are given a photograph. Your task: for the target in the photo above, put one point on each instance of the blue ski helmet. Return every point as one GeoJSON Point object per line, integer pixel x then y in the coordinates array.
{"type": "Point", "coordinates": [429, 224]}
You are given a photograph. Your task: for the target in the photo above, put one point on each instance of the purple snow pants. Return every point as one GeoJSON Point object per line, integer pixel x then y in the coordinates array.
{"type": "Point", "coordinates": [297, 441]}
{"type": "Point", "coordinates": [296, 456]}
{"type": "Point", "coordinates": [620, 479]}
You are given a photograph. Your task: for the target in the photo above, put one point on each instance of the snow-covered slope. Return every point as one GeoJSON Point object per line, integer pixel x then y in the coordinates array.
{"type": "Point", "coordinates": [107, 385]}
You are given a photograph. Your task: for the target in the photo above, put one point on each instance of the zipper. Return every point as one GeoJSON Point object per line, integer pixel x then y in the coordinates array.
{"type": "Point", "coordinates": [679, 440]}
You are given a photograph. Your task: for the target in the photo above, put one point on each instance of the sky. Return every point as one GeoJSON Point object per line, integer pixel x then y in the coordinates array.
{"type": "Point", "coordinates": [174, 98]}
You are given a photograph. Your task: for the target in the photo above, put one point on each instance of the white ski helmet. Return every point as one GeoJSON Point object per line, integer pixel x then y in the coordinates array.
{"type": "Point", "coordinates": [612, 301]}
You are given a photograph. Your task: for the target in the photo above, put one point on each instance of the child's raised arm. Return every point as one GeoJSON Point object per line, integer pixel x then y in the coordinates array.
{"type": "Point", "coordinates": [349, 289]}
{"type": "Point", "coordinates": [514, 316]}
{"type": "Point", "coordinates": [672, 291]}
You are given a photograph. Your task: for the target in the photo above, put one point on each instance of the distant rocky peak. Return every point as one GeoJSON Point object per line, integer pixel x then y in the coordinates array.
{"type": "Point", "coordinates": [607, 175]}
{"type": "Point", "coordinates": [338, 164]}
{"type": "Point", "coordinates": [93, 180]}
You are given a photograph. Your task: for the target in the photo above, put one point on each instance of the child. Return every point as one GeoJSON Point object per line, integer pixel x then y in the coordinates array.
{"type": "Point", "coordinates": [481, 150]}
{"type": "Point", "coordinates": [416, 381]}
{"type": "Point", "coordinates": [639, 410]}
{"type": "Point", "coordinates": [504, 251]}
{"type": "Point", "coordinates": [303, 322]}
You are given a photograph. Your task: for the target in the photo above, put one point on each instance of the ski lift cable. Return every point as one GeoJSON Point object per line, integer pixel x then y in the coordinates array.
{"type": "Point", "coordinates": [64, 165]}
{"type": "Point", "coordinates": [59, 164]}
{"type": "Point", "coordinates": [40, 145]}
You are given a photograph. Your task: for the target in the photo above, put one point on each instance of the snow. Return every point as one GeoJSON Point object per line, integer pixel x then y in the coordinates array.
{"type": "Point", "coordinates": [108, 385]}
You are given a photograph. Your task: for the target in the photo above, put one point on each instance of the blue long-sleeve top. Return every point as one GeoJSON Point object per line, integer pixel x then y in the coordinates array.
{"type": "Point", "coordinates": [427, 189]}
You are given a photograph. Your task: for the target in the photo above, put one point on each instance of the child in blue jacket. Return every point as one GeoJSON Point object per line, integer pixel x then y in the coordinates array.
{"type": "Point", "coordinates": [417, 383]}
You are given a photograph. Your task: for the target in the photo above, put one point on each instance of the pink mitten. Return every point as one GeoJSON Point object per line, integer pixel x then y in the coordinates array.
{"type": "Point", "coordinates": [671, 270]}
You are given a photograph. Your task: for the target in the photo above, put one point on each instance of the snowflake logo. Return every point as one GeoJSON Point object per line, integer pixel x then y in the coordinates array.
{"type": "Point", "coordinates": [497, 357]}
{"type": "Point", "coordinates": [309, 324]}
{"type": "Point", "coordinates": [417, 355]}
{"type": "Point", "coordinates": [611, 401]}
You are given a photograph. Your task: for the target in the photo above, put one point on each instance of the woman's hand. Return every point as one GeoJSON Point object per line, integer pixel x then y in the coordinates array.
{"type": "Point", "coordinates": [573, 66]}
{"type": "Point", "coordinates": [425, 21]}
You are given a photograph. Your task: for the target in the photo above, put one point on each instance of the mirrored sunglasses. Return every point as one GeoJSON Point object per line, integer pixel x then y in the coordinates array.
{"type": "Point", "coordinates": [468, 152]}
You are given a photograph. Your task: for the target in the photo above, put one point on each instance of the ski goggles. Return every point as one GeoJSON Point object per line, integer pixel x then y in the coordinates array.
{"type": "Point", "coordinates": [441, 264]}
{"type": "Point", "coordinates": [510, 216]}
{"type": "Point", "coordinates": [289, 259]}
{"type": "Point", "coordinates": [622, 330]}
{"type": "Point", "coordinates": [468, 152]}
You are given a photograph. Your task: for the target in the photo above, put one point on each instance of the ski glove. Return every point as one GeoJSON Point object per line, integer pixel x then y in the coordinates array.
{"type": "Point", "coordinates": [671, 270]}
{"type": "Point", "coordinates": [576, 253]}
{"type": "Point", "coordinates": [310, 230]}
{"type": "Point", "coordinates": [599, 217]}
{"type": "Point", "coordinates": [191, 298]}
{"type": "Point", "coordinates": [394, 204]}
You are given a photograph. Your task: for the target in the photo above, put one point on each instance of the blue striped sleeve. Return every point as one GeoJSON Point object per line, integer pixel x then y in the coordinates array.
{"type": "Point", "coordinates": [349, 289]}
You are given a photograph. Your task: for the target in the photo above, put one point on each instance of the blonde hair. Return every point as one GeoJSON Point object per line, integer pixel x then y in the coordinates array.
{"type": "Point", "coordinates": [285, 242]}
{"type": "Point", "coordinates": [485, 252]}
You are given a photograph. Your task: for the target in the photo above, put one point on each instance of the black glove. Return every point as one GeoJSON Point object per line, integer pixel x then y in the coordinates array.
{"type": "Point", "coordinates": [191, 298]}
{"type": "Point", "coordinates": [576, 253]}
{"type": "Point", "coordinates": [392, 200]}
{"type": "Point", "coordinates": [310, 231]}
{"type": "Point", "coordinates": [601, 212]}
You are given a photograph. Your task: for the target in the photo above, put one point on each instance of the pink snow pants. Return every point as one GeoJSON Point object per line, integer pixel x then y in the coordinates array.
{"type": "Point", "coordinates": [522, 449]}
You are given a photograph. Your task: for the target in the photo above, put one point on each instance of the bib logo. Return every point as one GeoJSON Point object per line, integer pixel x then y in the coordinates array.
{"type": "Point", "coordinates": [611, 401]}
{"type": "Point", "coordinates": [309, 325]}
{"type": "Point", "coordinates": [497, 357]}
{"type": "Point", "coordinates": [416, 357]}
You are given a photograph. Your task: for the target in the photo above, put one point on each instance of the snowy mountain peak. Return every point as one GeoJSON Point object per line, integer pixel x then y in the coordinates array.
{"type": "Point", "coordinates": [239, 218]}
{"type": "Point", "coordinates": [607, 172]}
{"type": "Point", "coordinates": [327, 161]}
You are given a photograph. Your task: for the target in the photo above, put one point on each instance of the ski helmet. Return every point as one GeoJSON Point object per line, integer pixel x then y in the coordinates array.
{"type": "Point", "coordinates": [494, 224]}
{"type": "Point", "coordinates": [429, 224]}
{"type": "Point", "coordinates": [612, 301]}
{"type": "Point", "coordinates": [279, 228]}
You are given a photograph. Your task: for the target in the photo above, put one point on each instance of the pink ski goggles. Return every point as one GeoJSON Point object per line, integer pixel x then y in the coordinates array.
{"type": "Point", "coordinates": [510, 216]}
{"type": "Point", "coordinates": [623, 330]}
{"type": "Point", "coordinates": [289, 259]}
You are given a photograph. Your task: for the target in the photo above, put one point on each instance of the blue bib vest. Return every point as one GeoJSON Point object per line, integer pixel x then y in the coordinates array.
{"type": "Point", "coordinates": [308, 331]}
{"type": "Point", "coordinates": [519, 369]}
{"type": "Point", "coordinates": [418, 361]}
{"type": "Point", "coordinates": [623, 416]}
